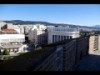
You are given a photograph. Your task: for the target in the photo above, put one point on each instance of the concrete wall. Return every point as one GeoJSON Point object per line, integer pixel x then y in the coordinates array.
{"type": "Point", "coordinates": [91, 44]}
{"type": "Point", "coordinates": [52, 63]}
{"type": "Point", "coordinates": [99, 42]}
{"type": "Point", "coordinates": [82, 46]}
{"type": "Point", "coordinates": [74, 52]}
{"type": "Point", "coordinates": [94, 43]}
{"type": "Point", "coordinates": [71, 53]}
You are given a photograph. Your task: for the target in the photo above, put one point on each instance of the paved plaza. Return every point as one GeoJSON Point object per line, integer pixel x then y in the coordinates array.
{"type": "Point", "coordinates": [90, 62]}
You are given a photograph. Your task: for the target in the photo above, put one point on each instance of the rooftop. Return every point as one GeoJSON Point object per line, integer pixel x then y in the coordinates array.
{"type": "Point", "coordinates": [11, 46]}
{"type": "Point", "coordinates": [8, 30]}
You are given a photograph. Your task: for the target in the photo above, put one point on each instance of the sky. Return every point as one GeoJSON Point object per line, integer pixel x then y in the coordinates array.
{"type": "Point", "coordinates": [78, 14]}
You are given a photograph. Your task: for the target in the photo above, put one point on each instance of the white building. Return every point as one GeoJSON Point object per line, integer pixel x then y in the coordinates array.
{"type": "Point", "coordinates": [18, 28]}
{"type": "Point", "coordinates": [10, 39]}
{"type": "Point", "coordinates": [38, 34]}
{"type": "Point", "coordinates": [60, 33]}
{"type": "Point", "coordinates": [2, 24]}
{"type": "Point", "coordinates": [24, 29]}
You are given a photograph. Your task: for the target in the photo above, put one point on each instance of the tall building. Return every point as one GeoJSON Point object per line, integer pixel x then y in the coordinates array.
{"type": "Point", "coordinates": [38, 34]}
{"type": "Point", "coordinates": [60, 33]}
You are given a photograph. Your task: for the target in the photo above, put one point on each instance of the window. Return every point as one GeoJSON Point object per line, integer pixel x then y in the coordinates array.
{"type": "Point", "coordinates": [61, 38]}
{"type": "Point", "coordinates": [53, 38]}
{"type": "Point", "coordinates": [67, 37]}
{"type": "Point", "coordinates": [70, 37]}
{"type": "Point", "coordinates": [64, 37]}
{"type": "Point", "coordinates": [11, 50]}
{"type": "Point", "coordinates": [58, 37]}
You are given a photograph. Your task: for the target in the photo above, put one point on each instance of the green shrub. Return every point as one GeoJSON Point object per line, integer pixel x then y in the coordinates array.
{"type": "Point", "coordinates": [6, 52]}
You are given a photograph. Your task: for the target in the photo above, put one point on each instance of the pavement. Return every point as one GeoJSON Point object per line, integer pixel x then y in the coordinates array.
{"type": "Point", "coordinates": [90, 62]}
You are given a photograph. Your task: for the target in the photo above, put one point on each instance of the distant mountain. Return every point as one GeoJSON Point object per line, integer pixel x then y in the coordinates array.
{"type": "Point", "coordinates": [97, 26]}
{"type": "Point", "coordinates": [25, 22]}
{"type": "Point", "coordinates": [47, 24]}
{"type": "Point", "coordinates": [37, 22]}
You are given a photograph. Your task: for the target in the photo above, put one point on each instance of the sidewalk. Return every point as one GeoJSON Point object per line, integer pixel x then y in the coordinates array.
{"type": "Point", "coordinates": [90, 63]}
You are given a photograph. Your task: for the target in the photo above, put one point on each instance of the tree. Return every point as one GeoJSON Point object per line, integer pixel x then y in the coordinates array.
{"type": "Point", "coordinates": [6, 52]}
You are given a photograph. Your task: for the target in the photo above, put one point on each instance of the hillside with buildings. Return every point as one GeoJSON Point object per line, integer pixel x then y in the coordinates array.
{"type": "Point", "coordinates": [49, 37]}
{"type": "Point", "coordinates": [44, 23]}
{"type": "Point", "coordinates": [97, 26]}
{"type": "Point", "coordinates": [47, 47]}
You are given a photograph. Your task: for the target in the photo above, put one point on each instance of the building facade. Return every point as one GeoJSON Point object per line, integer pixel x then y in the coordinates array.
{"type": "Point", "coordinates": [10, 39]}
{"type": "Point", "coordinates": [38, 34]}
{"type": "Point", "coordinates": [2, 25]}
{"type": "Point", "coordinates": [94, 43]}
{"type": "Point", "coordinates": [60, 33]}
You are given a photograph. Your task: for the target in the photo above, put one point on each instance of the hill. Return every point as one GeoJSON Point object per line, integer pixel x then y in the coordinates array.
{"type": "Point", "coordinates": [47, 24]}
{"type": "Point", "coordinates": [97, 26]}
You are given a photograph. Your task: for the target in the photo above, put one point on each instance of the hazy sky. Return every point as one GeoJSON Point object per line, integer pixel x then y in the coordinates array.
{"type": "Point", "coordinates": [78, 14]}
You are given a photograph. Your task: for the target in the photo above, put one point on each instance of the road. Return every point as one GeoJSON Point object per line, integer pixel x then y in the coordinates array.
{"type": "Point", "coordinates": [90, 63]}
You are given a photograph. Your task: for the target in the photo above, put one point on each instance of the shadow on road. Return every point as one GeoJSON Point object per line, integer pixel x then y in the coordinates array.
{"type": "Point", "coordinates": [89, 63]}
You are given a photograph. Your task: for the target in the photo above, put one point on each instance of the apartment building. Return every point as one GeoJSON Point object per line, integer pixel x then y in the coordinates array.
{"type": "Point", "coordinates": [94, 43]}
{"type": "Point", "coordinates": [25, 28]}
{"type": "Point", "coordinates": [11, 26]}
{"type": "Point", "coordinates": [38, 34]}
{"type": "Point", "coordinates": [60, 33]}
{"type": "Point", "coordinates": [12, 40]}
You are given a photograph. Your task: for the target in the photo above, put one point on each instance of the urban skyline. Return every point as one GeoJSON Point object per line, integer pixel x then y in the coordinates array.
{"type": "Point", "coordinates": [78, 14]}
{"type": "Point", "coordinates": [27, 45]}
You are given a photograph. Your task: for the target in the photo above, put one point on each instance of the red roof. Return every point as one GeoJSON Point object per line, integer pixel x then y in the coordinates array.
{"type": "Point", "coordinates": [9, 30]}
